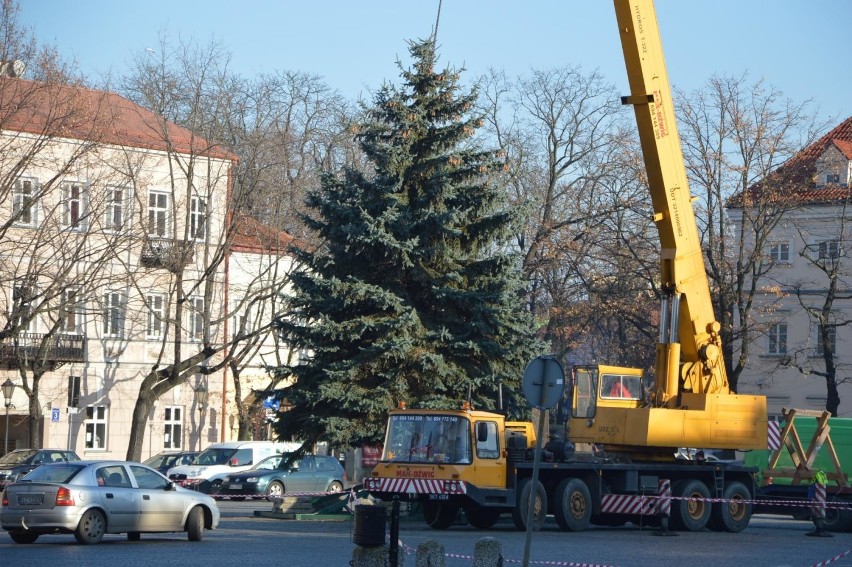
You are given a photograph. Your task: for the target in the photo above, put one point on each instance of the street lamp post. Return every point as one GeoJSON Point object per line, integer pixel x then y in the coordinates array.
{"type": "Point", "coordinates": [8, 391]}
{"type": "Point", "coordinates": [201, 394]}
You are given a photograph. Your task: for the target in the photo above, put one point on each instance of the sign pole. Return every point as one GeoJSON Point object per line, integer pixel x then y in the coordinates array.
{"type": "Point", "coordinates": [544, 381]}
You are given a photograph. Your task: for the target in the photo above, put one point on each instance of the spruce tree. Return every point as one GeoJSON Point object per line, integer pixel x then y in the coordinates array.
{"type": "Point", "coordinates": [413, 295]}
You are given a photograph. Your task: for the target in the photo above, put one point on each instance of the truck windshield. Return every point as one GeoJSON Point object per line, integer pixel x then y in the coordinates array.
{"type": "Point", "coordinates": [424, 438]}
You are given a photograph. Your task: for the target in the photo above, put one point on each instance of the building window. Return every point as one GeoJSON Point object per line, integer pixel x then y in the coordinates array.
{"type": "Point", "coordinates": [829, 249]}
{"type": "Point", "coordinates": [73, 205]}
{"type": "Point", "coordinates": [196, 318]}
{"type": "Point", "coordinates": [71, 312]}
{"type": "Point", "coordinates": [777, 339]}
{"type": "Point", "coordinates": [242, 319]}
{"type": "Point", "coordinates": [23, 202]}
{"type": "Point", "coordinates": [832, 340]}
{"type": "Point", "coordinates": [114, 214]}
{"type": "Point", "coordinates": [832, 178]}
{"type": "Point", "coordinates": [113, 315]}
{"type": "Point", "coordinates": [22, 315]}
{"type": "Point", "coordinates": [173, 427]}
{"type": "Point", "coordinates": [198, 218]}
{"type": "Point", "coordinates": [780, 253]}
{"type": "Point", "coordinates": [156, 303]}
{"type": "Point", "coordinates": [96, 427]}
{"type": "Point", "coordinates": [158, 214]}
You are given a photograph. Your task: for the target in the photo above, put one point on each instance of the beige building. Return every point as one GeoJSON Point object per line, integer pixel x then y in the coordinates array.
{"type": "Point", "coordinates": [114, 280]}
{"type": "Point", "coordinates": [809, 243]}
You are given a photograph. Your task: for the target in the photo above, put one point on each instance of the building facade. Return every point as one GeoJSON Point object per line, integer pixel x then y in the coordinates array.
{"type": "Point", "coordinates": [805, 299]}
{"type": "Point", "coordinates": [114, 277]}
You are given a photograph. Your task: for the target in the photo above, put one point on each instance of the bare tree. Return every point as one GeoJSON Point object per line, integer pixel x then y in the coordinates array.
{"type": "Point", "coordinates": [824, 247]}
{"type": "Point", "coordinates": [282, 129]}
{"type": "Point", "coordinates": [575, 169]}
{"type": "Point", "coordinates": [735, 134]}
{"type": "Point", "coordinates": [52, 243]}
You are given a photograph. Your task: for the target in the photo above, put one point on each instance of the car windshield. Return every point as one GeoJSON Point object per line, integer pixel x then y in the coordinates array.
{"type": "Point", "coordinates": [268, 464]}
{"type": "Point", "coordinates": [60, 473]}
{"type": "Point", "coordinates": [16, 457]}
{"type": "Point", "coordinates": [214, 457]}
{"type": "Point", "coordinates": [157, 460]}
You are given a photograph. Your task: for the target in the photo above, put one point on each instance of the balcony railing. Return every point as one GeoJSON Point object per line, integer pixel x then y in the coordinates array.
{"type": "Point", "coordinates": [59, 349]}
{"type": "Point", "coordinates": [166, 253]}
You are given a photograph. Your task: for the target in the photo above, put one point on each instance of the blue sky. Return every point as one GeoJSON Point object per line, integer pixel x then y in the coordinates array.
{"type": "Point", "coordinates": [799, 47]}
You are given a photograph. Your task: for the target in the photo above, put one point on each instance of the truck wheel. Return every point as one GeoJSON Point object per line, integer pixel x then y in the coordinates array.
{"type": "Point", "coordinates": [573, 506]}
{"type": "Point", "coordinates": [690, 506]}
{"type": "Point", "coordinates": [482, 517]}
{"type": "Point", "coordinates": [519, 512]}
{"type": "Point", "coordinates": [837, 519]}
{"type": "Point", "coordinates": [734, 512]}
{"type": "Point", "coordinates": [439, 515]}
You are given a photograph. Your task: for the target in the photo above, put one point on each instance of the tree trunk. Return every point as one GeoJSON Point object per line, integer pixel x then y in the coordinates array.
{"type": "Point", "coordinates": [34, 417]}
{"type": "Point", "coordinates": [141, 411]}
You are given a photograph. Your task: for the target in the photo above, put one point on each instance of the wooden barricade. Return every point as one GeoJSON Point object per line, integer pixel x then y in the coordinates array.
{"type": "Point", "coordinates": [803, 461]}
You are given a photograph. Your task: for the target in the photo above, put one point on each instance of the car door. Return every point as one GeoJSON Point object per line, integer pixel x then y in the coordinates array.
{"type": "Point", "coordinates": [119, 498]}
{"type": "Point", "coordinates": [161, 509]}
{"type": "Point", "coordinates": [303, 479]}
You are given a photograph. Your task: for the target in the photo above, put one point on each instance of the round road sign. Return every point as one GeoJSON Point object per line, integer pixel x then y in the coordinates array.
{"type": "Point", "coordinates": [544, 381]}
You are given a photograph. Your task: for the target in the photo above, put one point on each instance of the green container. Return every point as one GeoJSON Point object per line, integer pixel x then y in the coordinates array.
{"type": "Point", "coordinates": [841, 437]}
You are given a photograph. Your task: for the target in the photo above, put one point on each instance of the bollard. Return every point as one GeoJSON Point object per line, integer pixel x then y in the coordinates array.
{"type": "Point", "coordinates": [488, 552]}
{"type": "Point", "coordinates": [664, 508]}
{"type": "Point", "coordinates": [430, 553]}
{"type": "Point", "coordinates": [369, 556]}
{"type": "Point", "coordinates": [394, 533]}
{"type": "Point", "coordinates": [816, 493]}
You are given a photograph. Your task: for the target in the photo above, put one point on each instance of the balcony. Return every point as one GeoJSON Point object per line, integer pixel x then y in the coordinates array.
{"type": "Point", "coordinates": [24, 348]}
{"type": "Point", "coordinates": [172, 255]}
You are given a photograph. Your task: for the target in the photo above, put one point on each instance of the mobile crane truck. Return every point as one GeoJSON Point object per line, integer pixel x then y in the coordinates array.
{"type": "Point", "coordinates": [480, 463]}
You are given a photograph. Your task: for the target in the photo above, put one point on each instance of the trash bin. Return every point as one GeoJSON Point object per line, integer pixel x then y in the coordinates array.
{"type": "Point", "coordinates": [369, 530]}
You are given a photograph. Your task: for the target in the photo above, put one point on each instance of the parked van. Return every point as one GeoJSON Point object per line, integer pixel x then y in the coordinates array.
{"type": "Point", "coordinates": [206, 471]}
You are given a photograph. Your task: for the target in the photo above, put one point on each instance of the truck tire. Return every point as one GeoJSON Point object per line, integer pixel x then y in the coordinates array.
{"type": "Point", "coordinates": [734, 512]}
{"type": "Point", "coordinates": [519, 512]}
{"type": "Point", "coordinates": [482, 517]}
{"type": "Point", "coordinates": [690, 506]}
{"type": "Point", "coordinates": [439, 515]}
{"type": "Point", "coordinates": [837, 519]}
{"type": "Point", "coordinates": [573, 505]}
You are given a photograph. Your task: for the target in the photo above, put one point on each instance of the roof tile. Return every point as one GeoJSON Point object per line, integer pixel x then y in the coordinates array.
{"type": "Point", "coordinates": [80, 113]}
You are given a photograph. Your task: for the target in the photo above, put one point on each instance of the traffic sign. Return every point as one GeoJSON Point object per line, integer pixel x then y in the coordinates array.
{"type": "Point", "coordinates": [544, 381]}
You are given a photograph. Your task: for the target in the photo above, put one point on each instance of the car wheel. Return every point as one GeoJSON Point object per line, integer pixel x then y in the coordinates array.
{"type": "Point", "coordinates": [23, 537]}
{"type": "Point", "coordinates": [134, 536]}
{"type": "Point", "coordinates": [91, 528]}
{"type": "Point", "coordinates": [274, 490]}
{"type": "Point", "coordinates": [481, 517]}
{"type": "Point", "coordinates": [335, 487]}
{"type": "Point", "coordinates": [439, 515]}
{"type": "Point", "coordinates": [195, 524]}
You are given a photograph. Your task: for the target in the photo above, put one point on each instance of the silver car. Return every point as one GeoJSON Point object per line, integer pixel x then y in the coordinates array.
{"type": "Point", "coordinates": [93, 498]}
